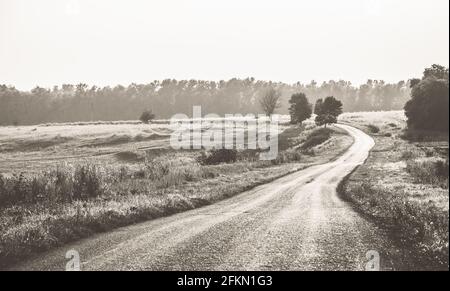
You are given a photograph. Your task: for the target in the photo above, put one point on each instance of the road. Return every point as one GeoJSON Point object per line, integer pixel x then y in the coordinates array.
{"type": "Point", "coordinates": [297, 222]}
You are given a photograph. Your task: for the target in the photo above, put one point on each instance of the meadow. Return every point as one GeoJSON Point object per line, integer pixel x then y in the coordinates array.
{"type": "Point", "coordinates": [404, 185]}
{"type": "Point", "coordinates": [63, 182]}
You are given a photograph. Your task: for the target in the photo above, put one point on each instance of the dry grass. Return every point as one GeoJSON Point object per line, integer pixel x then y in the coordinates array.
{"type": "Point", "coordinates": [404, 184]}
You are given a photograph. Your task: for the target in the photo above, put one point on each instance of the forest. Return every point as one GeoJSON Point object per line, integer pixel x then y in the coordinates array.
{"type": "Point", "coordinates": [81, 102]}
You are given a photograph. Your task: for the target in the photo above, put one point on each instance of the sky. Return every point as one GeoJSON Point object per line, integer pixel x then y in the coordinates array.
{"type": "Point", "coordinates": [110, 42]}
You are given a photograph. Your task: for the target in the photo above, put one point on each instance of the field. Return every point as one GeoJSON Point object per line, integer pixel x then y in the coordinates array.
{"type": "Point", "coordinates": [404, 185]}
{"type": "Point", "coordinates": [59, 183]}
{"type": "Point", "coordinates": [33, 149]}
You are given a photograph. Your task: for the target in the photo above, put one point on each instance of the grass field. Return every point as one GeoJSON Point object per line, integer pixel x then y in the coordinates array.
{"type": "Point", "coordinates": [59, 183]}
{"type": "Point", "coordinates": [404, 185]}
{"type": "Point", "coordinates": [33, 149]}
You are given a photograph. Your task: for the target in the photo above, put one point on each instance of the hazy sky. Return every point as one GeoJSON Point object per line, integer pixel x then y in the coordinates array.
{"type": "Point", "coordinates": [109, 42]}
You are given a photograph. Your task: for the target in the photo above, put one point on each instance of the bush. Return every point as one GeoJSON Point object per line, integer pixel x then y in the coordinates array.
{"type": "Point", "coordinates": [287, 157]}
{"type": "Point", "coordinates": [373, 128]}
{"type": "Point", "coordinates": [215, 157]}
{"type": "Point", "coordinates": [147, 116]}
{"type": "Point", "coordinates": [317, 137]}
{"type": "Point", "coordinates": [428, 108]}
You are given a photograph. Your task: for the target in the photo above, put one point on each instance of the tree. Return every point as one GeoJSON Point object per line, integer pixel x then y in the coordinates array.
{"type": "Point", "coordinates": [270, 101]}
{"type": "Point", "coordinates": [147, 116]}
{"type": "Point", "coordinates": [318, 107]}
{"type": "Point", "coordinates": [428, 108]}
{"type": "Point", "coordinates": [327, 111]}
{"type": "Point", "coordinates": [300, 108]}
{"type": "Point", "coordinates": [437, 72]}
{"type": "Point", "coordinates": [80, 90]}
{"type": "Point", "coordinates": [413, 82]}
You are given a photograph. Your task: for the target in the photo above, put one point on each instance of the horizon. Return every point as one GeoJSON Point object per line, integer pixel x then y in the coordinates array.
{"type": "Point", "coordinates": [90, 85]}
{"type": "Point", "coordinates": [56, 42]}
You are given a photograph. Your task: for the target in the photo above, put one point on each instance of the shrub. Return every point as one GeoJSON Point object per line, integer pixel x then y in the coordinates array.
{"type": "Point", "coordinates": [287, 157]}
{"type": "Point", "coordinates": [317, 137]}
{"type": "Point", "coordinates": [147, 116]}
{"type": "Point", "coordinates": [428, 108]}
{"type": "Point", "coordinates": [373, 128]}
{"type": "Point", "coordinates": [219, 156]}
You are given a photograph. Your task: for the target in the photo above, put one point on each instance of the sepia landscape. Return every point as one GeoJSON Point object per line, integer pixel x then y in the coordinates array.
{"type": "Point", "coordinates": [191, 173]}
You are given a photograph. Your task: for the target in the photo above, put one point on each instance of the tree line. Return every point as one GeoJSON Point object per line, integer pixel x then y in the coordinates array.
{"type": "Point", "coordinates": [70, 103]}
{"type": "Point", "coordinates": [427, 110]}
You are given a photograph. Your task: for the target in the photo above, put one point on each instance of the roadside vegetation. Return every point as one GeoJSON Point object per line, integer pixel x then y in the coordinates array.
{"type": "Point", "coordinates": [404, 182]}
{"type": "Point", "coordinates": [404, 186]}
{"type": "Point", "coordinates": [317, 137]}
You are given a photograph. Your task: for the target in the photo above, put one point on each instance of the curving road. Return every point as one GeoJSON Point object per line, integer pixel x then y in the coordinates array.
{"type": "Point", "coordinates": [294, 223]}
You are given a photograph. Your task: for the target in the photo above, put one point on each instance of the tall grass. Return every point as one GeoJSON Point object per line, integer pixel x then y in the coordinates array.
{"type": "Point", "coordinates": [60, 185]}
{"type": "Point", "coordinates": [433, 172]}
{"type": "Point", "coordinates": [420, 226]}
{"type": "Point", "coordinates": [41, 212]}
